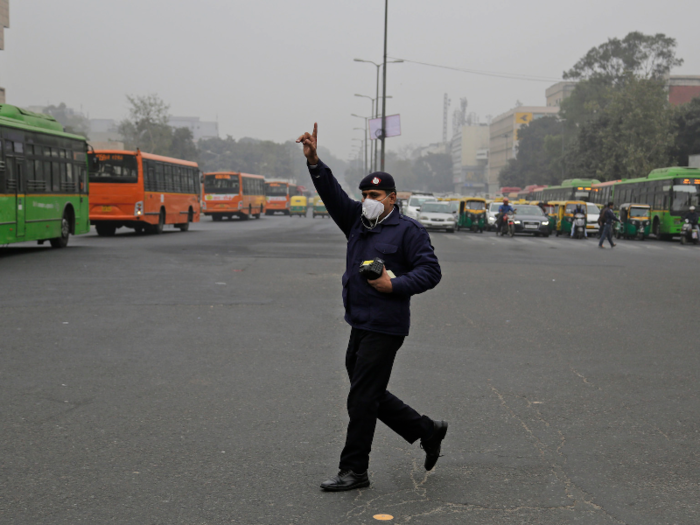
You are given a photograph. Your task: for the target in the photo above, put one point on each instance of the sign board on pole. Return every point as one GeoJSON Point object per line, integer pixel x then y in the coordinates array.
{"type": "Point", "coordinates": [393, 127]}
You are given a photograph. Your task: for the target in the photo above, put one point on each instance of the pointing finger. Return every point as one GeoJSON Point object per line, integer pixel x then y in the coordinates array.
{"type": "Point", "coordinates": [315, 133]}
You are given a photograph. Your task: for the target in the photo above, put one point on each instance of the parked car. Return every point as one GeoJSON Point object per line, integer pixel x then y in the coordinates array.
{"type": "Point", "coordinates": [436, 215]}
{"type": "Point", "coordinates": [415, 202]}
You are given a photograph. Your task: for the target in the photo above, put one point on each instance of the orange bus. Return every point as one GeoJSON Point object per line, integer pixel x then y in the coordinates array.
{"type": "Point", "coordinates": [142, 191]}
{"type": "Point", "coordinates": [228, 193]}
{"type": "Point", "coordinates": [277, 197]}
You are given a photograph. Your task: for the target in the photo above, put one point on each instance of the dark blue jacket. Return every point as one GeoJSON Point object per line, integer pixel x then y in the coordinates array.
{"type": "Point", "coordinates": [609, 216]}
{"type": "Point", "coordinates": [401, 242]}
{"type": "Point", "coordinates": [505, 208]}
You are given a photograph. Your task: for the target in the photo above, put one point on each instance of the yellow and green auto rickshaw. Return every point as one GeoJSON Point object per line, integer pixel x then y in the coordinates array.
{"type": "Point", "coordinates": [635, 222]}
{"type": "Point", "coordinates": [319, 209]}
{"type": "Point", "coordinates": [472, 214]}
{"type": "Point", "coordinates": [298, 206]}
{"type": "Point", "coordinates": [551, 208]}
{"type": "Point", "coordinates": [565, 218]}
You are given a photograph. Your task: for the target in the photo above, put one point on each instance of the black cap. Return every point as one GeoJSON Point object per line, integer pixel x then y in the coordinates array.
{"type": "Point", "coordinates": [378, 180]}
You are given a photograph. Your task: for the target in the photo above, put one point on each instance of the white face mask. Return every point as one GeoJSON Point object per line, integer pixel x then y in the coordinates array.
{"type": "Point", "coordinates": [372, 209]}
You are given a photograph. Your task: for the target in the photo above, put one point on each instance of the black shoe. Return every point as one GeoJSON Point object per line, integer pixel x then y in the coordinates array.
{"type": "Point", "coordinates": [432, 444]}
{"type": "Point", "coordinates": [346, 480]}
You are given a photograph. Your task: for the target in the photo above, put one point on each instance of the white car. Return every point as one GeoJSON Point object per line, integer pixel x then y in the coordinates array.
{"type": "Point", "coordinates": [491, 213]}
{"type": "Point", "coordinates": [434, 215]}
{"type": "Point", "coordinates": [415, 202]}
{"type": "Point", "coordinates": [592, 214]}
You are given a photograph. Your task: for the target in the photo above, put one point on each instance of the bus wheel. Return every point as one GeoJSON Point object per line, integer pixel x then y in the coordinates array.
{"type": "Point", "coordinates": [186, 225]}
{"type": "Point", "coordinates": [216, 217]}
{"type": "Point", "coordinates": [157, 229]}
{"type": "Point", "coordinates": [62, 241]}
{"type": "Point", "coordinates": [105, 230]}
{"type": "Point", "coordinates": [257, 215]}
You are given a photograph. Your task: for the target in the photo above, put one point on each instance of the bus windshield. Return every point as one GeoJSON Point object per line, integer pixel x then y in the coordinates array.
{"type": "Point", "coordinates": [114, 168]}
{"type": "Point", "coordinates": [684, 196]}
{"type": "Point", "coordinates": [276, 190]}
{"type": "Point", "coordinates": [221, 184]}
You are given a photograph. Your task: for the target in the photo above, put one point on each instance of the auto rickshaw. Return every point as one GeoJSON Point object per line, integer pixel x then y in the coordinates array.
{"type": "Point", "coordinates": [635, 222]}
{"type": "Point", "coordinates": [319, 209]}
{"type": "Point", "coordinates": [565, 218]}
{"type": "Point", "coordinates": [472, 214]}
{"type": "Point", "coordinates": [298, 206]}
{"type": "Point", "coordinates": [551, 208]}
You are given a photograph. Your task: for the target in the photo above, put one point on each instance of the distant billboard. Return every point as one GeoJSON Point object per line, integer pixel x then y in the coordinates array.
{"type": "Point", "coordinates": [393, 127]}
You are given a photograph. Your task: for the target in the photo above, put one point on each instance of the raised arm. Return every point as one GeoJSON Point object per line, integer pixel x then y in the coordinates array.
{"type": "Point", "coordinates": [342, 209]}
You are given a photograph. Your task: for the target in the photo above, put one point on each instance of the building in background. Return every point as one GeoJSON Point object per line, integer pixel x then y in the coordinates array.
{"type": "Point", "coordinates": [4, 24]}
{"type": "Point", "coordinates": [503, 139]}
{"type": "Point", "coordinates": [470, 154]}
{"type": "Point", "coordinates": [683, 88]}
{"type": "Point", "coordinates": [200, 129]}
{"type": "Point", "coordinates": [558, 92]}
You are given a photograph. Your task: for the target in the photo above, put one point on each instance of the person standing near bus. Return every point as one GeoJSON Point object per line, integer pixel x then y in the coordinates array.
{"type": "Point", "coordinates": [378, 312]}
{"type": "Point", "coordinates": [607, 218]}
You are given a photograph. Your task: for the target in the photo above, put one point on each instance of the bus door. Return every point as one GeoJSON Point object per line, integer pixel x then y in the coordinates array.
{"type": "Point", "coordinates": [16, 182]}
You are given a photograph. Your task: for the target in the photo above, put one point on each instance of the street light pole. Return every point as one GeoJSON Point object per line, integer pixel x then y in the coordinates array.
{"type": "Point", "coordinates": [366, 119]}
{"type": "Point", "coordinates": [364, 130]}
{"type": "Point", "coordinates": [373, 154]}
{"type": "Point", "coordinates": [376, 113]}
{"type": "Point", "coordinates": [386, 25]}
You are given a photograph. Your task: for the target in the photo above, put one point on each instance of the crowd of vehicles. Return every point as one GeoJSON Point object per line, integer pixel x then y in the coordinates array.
{"type": "Point", "coordinates": [53, 185]}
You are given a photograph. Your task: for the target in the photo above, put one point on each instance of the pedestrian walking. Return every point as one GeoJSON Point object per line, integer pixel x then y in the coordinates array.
{"type": "Point", "coordinates": [377, 311]}
{"type": "Point", "coordinates": [607, 218]}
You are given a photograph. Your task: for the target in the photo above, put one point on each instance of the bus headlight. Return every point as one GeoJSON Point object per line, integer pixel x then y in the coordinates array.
{"type": "Point", "coordinates": [138, 209]}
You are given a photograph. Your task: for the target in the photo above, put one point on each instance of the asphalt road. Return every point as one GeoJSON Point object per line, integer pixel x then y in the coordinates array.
{"type": "Point", "coordinates": [197, 378]}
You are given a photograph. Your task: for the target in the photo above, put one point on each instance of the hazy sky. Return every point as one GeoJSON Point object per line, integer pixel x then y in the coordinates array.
{"type": "Point", "coordinates": [270, 68]}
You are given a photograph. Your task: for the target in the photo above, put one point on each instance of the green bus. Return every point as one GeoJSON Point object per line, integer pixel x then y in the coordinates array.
{"type": "Point", "coordinates": [669, 191]}
{"type": "Point", "coordinates": [43, 179]}
{"type": "Point", "coordinates": [568, 190]}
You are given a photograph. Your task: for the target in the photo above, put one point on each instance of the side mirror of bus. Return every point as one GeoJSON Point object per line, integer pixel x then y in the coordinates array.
{"type": "Point", "coordinates": [94, 163]}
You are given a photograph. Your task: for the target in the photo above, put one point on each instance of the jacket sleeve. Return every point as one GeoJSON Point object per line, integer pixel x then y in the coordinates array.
{"type": "Point", "coordinates": [425, 270]}
{"type": "Point", "coordinates": [342, 209]}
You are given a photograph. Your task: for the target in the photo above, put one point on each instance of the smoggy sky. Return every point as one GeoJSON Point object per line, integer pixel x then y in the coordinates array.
{"type": "Point", "coordinates": [270, 68]}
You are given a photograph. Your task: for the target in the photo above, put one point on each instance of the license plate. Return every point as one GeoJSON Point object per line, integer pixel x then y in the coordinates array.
{"type": "Point", "coordinates": [106, 208]}
{"type": "Point", "coordinates": [531, 226]}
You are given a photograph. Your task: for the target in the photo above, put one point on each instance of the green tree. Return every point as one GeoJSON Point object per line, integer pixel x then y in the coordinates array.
{"type": "Point", "coordinates": [434, 172]}
{"type": "Point", "coordinates": [182, 145]}
{"type": "Point", "coordinates": [635, 134]}
{"type": "Point", "coordinates": [539, 159]}
{"type": "Point", "coordinates": [611, 65]}
{"type": "Point", "coordinates": [147, 125]}
{"type": "Point", "coordinates": [645, 56]}
{"type": "Point", "coordinates": [687, 121]}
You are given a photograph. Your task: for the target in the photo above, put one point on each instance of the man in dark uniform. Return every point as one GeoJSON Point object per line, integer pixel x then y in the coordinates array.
{"type": "Point", "coordinates": [378, 312]}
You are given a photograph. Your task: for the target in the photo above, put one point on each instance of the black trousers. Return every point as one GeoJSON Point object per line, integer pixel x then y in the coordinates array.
{"type": "Point", "coordinates": [369, 360]}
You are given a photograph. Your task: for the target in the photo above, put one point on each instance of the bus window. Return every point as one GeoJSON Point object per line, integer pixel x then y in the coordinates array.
{"type": "Point", "coordinates": [114, 168]}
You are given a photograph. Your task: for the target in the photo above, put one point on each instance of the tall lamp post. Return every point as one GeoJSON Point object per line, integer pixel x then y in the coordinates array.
{"type": "Point", "coordinates": [364, 142]}
{"type": "Point", "coordinates": [376, 114]}
{"type": "Point", "coordinates": [359, 152]}
{"type": "Point", "coordinates": [373, 154]}
{"type": "Point", "coordinates": [365, 129]}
